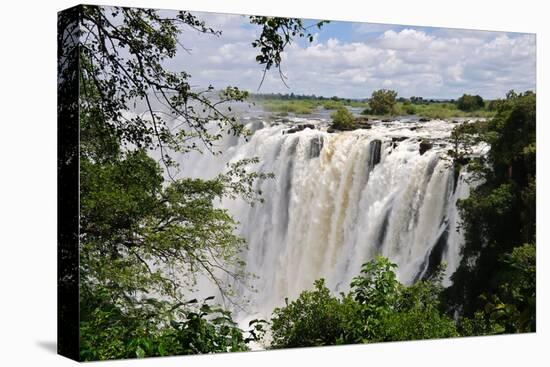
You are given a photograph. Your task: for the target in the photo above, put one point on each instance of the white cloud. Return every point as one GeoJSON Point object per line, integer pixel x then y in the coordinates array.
{"type": "Point", "coordinates": [431, 63]}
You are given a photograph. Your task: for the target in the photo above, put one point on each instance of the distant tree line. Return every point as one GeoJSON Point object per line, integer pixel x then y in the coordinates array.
{"type": "Point", "coordinates": [300, 97]}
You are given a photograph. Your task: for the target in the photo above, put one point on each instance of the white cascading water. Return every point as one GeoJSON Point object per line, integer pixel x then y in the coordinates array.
{"type": "Point", "coordinates": [338, 200]}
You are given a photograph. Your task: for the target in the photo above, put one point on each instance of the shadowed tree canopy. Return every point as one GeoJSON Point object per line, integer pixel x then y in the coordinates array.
{"type": "Point", "coordinates": [499, 216]}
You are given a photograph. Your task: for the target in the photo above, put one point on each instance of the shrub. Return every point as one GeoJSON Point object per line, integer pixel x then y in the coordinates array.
{"type": "Point", "coordinates": [378, 308]}
{"type": "Point", "coordinates": [382, 102]}
{"type": "Point", "coordinates": [315, 318]}
{"type": "Point", "coordinates": [342, 119]}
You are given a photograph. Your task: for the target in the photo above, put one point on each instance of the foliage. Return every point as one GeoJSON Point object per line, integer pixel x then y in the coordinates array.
{"type": "Point", "coordinates": [332, 105]}
{"type": "Point", "coordinates": [155, 329]}
{"type": "Point", "coordinates": [315, 318]}
{"type": "Point", "coordinates": [499, 216]}
{"type": "Point", "coordinates": [517, 293]}
{"type": "Point", "coordinates": [513, 308]}
{"type": "Point", "coordinates": [277, 33]}
{"type": "Point", "coordinates": [465, 137]}
{"type": "Point", "coordinates": [409, 109]}
{"type": "Point", "coordinates": [342, 119]}
{"type": "Point", "coordinates": [418, 313]}
{"type": "Point", "coordinates": [468, 102]}
{"type": "Point", "coordinates": [377, 291]}
{"type": "Point", "coordinates": [382, 102]}
{"type": "Point", "coordinates": [441, 110]}
{"type": "Point", "coordinates": [378, 308]}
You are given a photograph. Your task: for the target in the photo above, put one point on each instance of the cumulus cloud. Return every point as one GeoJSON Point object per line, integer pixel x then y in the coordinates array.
{"type": "Point", "coordinates": [433, 62]}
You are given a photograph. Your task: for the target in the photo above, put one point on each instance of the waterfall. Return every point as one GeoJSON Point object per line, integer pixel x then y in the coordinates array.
{"type": "Point", "coordinates": [340, 199]}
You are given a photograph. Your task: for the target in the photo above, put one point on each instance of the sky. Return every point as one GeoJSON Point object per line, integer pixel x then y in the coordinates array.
{"type": "Point", "coordinates": [351, 60]}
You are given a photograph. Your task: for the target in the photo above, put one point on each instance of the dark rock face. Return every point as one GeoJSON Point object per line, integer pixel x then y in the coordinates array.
{"type": "Point", "coordinates": [350, 128]}
{"type": "Point", "coordinates": [423, 119]}
{"type": "Point", "coordinates": [425, 146]}
{"type": "Point", "coordinates": [359, 123]}
{"type": "Point", "coordinates": [433, 260]}
{"type": "Point", "coordinates": [397, 139]}
{"type": "Point", "coordinates": [297, 128]}
{"type": "Point", "coordinates": [315, 146]}
{"type": "Point", "coordinates": [375, 147]}
{"type": "Point", "coordinates": [364, 125]}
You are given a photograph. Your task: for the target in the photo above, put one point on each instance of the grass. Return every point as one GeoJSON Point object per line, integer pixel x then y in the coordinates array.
{"type": "Point", "coordinates": [305, 106]}
{"type": "Point", "coordinates": [332, 105]}
{"type": "Point", "coordinates": [299, 107]}
{"type": "Point", "coordinates": [439, 111]}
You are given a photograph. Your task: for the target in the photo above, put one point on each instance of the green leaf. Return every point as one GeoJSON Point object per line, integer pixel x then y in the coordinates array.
{"type": "Point", "coordinates": [140, 353]}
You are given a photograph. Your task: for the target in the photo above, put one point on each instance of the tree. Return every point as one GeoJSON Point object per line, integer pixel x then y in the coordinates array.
{"type": "Point", "coordinates": [382, 102]}
{"type": "Point", "coordinates": [499, 214]}
{"type": "Point", "coordinates": [417, 100]}
{"type": "Point", "coordinates": [470, 103]}
{"type": "Point", "coordinates": [376, 289]}
{"type": "Point", "coordinates": [342, 119]}
{"type": "Point", "coordinates": [143, 241]}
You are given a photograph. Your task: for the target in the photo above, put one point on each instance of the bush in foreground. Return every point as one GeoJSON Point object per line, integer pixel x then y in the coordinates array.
{"type": "Point", "coordinates": [378, 308]}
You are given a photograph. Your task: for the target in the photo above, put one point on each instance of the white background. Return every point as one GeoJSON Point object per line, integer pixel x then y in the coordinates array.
{"type": "Point", "coordinates": [28, 182]}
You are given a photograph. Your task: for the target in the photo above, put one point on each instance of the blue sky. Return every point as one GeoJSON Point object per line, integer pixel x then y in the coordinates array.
{"type": "Point", "coordinates": [351, 60]}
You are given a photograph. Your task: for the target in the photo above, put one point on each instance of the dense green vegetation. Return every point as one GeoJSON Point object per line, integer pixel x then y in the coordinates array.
{"type": "Point", "coordinates": [497, 273]}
